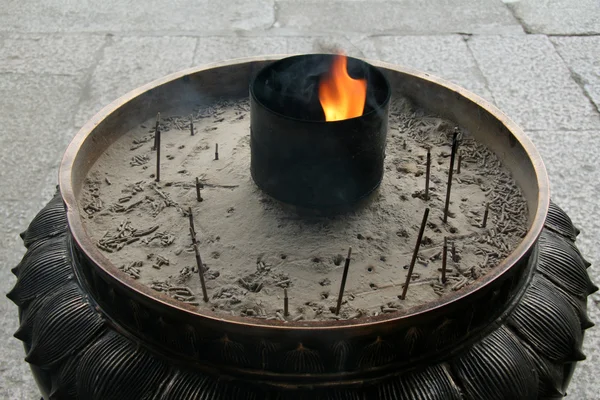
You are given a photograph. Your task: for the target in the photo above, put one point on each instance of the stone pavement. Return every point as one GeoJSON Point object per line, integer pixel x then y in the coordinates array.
{"type": "Point", "coordinates": [61, 61]}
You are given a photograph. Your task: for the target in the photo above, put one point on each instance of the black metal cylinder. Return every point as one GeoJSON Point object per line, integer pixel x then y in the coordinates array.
{"type": "Point", "coordinates": [299, 158]}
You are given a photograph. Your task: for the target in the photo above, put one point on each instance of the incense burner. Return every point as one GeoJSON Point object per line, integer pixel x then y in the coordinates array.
{"type": "Point", "coordinates": [92, 332]}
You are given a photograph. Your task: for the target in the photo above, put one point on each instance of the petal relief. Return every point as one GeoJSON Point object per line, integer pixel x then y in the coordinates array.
{"type": "Point", "coordinates": [64, 385]}
{"type": "Point", "coordinates": [41, 272]}
{"type": "Point", "coordinates": [431, 383]}
{"type": "Point", "coordinates": [226, 350]}
{"type": "Point", "coordinates": [116, 368]}
{"type": "Point", "coordinates": [38, 250]}
{"type": "Point", "coordinates": [579, 305]}
{"type": "Point", "coordinates": [563, 266]}
{"type": "Point", "coordinates": [302, 360]}
{"type": "Point", "coordinates": [67, 322]}
{"type": "Point", "coordinates": [50, 221]}
{"type": "Point", "coordinates": [334, 394]}
{"type": "Point", "coordinates": [377, 353]}
{"type": "Point", "coordinates": [413, 339]}
{"type": "Point", "coordinates": [446, 333]}
{"type": "Point", "coordinates": [558, 221]}
{"type": "Point", "coordinates": [341, 355]}
{"type": "Point", "coordinates": [31, 250]}
{"type": "Point", "coordinates": [551, 374]}
{"type": "Point", "coordinates": [267, 351]}
{"type": "Point", "coordinates": [198, 386]}
{"type": "Point", "coordinates": [30, 314]}
{"type": "Point", "coordinates": [548, 323]}
{"type": "Point", "coordinates": [496, 368]}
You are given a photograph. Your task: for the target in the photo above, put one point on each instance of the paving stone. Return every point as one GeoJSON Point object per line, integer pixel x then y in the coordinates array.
{"type": "Point", "coordinates": [571, 161]}
{"type": "Point", "coordinates": [566, 17]}
{"type": "Point", "coordinates": [220, 48]}
{"type": "Point", "coordinates": [584, 384]}
{"type": "Point", "coordinates": [16, 380]}
{"type": "Point", "coordinates": [133, 16]}
{"type": "Point", "coordinates": [16, 216]}
{"type": "Point", "coordinates": [36, 115]}
{"type": "Point", "coordinates": [396, 17]}
{"type": "Point", "coordinates": [350, 45]}
{"type": "Point", "coordinates": [582, 55]}
{"type": "Point", "coordinates": [43, 54]}
{"type": "Point", "coordinates": [446, 56]}
{"type": "Point", "coordinates": [531, 83]}
{"type": "Point", "coordinates": [129, 62]}
{"type": "Point", "coordinates": [363, 45]}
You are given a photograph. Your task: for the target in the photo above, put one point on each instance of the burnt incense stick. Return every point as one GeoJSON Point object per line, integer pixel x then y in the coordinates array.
{"type": "Point", "coordinates": [201, 272]}
{"type": "Point", "coordinates": [193, 235]}
{"type": "Point", "coordinates": [157, 136]}
{"type": "Point", "coordinates": [285, 303]}
{"type": "Point", "coordinates": [459, 162]}
{"type": "Point", "coordinates": [427, 174]}
{"type": "Point", "coordinates": [444, 259]}
{"type": "Point", "coordinates": [485, 215]}
{"type": "Point", "coordinates": [216, 151]}
{"type": "Point", "coordinates": [343, 284]}
{"type": "Point", "coordinates": [192, 125]}
{"type": "Point", "coordinates": [404, 144]}
{"type": "Point", "coordinates": [415, 252]}
{"type": "Point", "coordinates": [192, 227]}
{"type": "Point", "coordinates": [156, 130]}
{"type": "Point", "coordinates": [449, 186]}
{"type": "Point", "coordinates": [198, 195]}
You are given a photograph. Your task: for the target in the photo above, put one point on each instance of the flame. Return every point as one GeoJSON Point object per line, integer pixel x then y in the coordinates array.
{"type": "Point", "coordinates": [342, 96]}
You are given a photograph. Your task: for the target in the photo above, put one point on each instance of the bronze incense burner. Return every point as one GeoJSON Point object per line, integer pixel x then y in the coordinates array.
{"type": "Point", "coordinates": [91, 332]}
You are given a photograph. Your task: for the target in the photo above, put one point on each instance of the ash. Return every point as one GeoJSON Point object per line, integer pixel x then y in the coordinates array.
{"type": "Point", "coordinates": [254, 247]}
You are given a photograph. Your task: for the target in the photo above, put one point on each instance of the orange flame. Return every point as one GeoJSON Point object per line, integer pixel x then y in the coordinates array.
{"type": "Point", "coordinates": [342, 96]}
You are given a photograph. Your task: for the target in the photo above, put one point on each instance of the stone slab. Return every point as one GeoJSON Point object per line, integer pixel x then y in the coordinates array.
{"type": "Point", "coordinates": [352, 45]}
{"type": "Point", "coordinates": [564, 17]}
{"type": "Point", "coordinates": [574, 172]}
{"type": "Point", "coordinates": [396, 17]}
{"type": "Point", "coordinates": [36, 115]}
{"type": "Point", "coordinates": [582, 55]}
{"type": "Point", "coordinates": [129, 62]}
{"type": "Point", "coordinates": [531, 83]}
{"type": "Point", "coordinates": [43, 54]}
{"type": "Point", "coordinates": [133, 16]}
{"type": "Point", "coordinates": [584, 384]}
{"type": "Point", "coordinates": [220, 48]}
{"type": "Point", "coordinates": [16, 380]}
{"type": "Point", "coordinates": [445, 56]}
